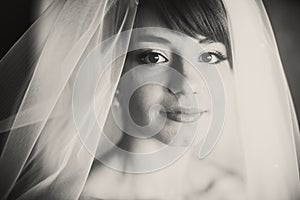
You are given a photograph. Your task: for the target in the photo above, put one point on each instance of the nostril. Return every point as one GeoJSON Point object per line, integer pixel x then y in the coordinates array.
{"type": "Point", "coordinates": [170, 91]}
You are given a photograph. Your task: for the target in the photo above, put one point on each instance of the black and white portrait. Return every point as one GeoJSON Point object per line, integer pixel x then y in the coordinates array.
{"type": "Point", "coordinates": [149, 99]}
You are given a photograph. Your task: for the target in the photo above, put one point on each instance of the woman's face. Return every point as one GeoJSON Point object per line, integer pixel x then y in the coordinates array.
{"type": "Point", "coordinates": [184, 99]}
{"type": "Point", "coordinates": [157, 53]}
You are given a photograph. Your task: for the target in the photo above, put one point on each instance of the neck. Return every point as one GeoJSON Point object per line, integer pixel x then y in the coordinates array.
{"type": "Point", "coordinates": [151, 145]}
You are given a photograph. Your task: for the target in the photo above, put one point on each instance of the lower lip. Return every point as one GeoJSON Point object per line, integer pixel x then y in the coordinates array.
{"type": "Point", "coordinates": [183, 117]}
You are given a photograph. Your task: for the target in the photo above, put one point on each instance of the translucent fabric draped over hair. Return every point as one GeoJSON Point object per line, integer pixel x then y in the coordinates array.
{"type": "Point", "coordinates": [267, 120]}
{"type": "Point", "coordinates": [43, 128]}
{"type": "Point", "coordinates": [64, 35]}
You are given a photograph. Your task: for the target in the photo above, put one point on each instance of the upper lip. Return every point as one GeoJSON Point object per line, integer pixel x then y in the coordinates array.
{"type": "Point", "coordinates": [184, 110]}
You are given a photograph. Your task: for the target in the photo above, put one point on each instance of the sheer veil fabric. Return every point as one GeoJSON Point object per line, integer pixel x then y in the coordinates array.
{"type": "Point", "coordinates": [71, 29]}
{"type": "Point", "coordinates": [43, 128]}
{"type": "Point", "coordinates": [270, 130]}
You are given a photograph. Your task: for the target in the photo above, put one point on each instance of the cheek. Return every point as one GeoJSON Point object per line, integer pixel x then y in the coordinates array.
{"type": "Point", "coordinates": [143, 99]}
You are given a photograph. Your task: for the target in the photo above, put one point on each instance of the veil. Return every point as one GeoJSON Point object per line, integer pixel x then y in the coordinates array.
{"type": "Point", "coordinates": [270, 133]}
{"type": "Point", "coordinates": [66, 33]}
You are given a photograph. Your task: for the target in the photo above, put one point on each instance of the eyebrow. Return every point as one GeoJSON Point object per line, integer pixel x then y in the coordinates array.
{"type": "Point", "coordinates": [205, 40]}
{"type": "Point", "coordinates": [153, 38]}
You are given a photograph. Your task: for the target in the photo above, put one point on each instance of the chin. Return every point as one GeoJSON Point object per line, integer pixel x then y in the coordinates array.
{"type": "Point", "coordinates": [168, 135]}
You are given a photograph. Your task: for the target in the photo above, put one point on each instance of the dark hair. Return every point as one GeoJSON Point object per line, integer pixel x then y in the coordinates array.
{"type": "Point", "coordinates": [194, 17]}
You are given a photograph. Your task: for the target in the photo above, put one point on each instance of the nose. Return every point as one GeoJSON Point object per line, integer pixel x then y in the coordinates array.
{"type": "Point", "coordinates": [187, 99]}
{"type": "Point", "coordinates": [190, 77]}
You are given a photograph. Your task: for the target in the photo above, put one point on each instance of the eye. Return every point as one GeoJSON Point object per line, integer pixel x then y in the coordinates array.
{"type": "Point", "coordinates": [153, 57]}
{"type": "Point", "coordinates": [211, 57]}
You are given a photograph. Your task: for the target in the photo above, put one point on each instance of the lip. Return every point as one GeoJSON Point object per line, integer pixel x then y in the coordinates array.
{"type": "Point", "coordinates": [184, 115]}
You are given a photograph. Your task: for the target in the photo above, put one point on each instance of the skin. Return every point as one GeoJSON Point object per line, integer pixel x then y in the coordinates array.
{"type": "Point", "coordinates": [219, 176]}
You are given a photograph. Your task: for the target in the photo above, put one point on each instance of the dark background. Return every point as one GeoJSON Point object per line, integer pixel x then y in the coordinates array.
{"type": "Point", "coordinates": [16, 16]}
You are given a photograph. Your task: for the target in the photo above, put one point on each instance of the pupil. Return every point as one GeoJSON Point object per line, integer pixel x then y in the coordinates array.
{"type": "Point", "coordinates": [153, 58]}
{"type": "Point", "coordinates": [207, 57]}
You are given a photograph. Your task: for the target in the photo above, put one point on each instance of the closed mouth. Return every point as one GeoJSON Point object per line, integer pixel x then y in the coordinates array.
{"type": "Point", "coordinates": [184, 115]}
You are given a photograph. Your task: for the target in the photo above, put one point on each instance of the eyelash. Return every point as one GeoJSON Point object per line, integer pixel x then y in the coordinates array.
{"type": "Point", "coordinates": [220, 56]}
{"type": "Point", "coordinates": [143, 56]}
